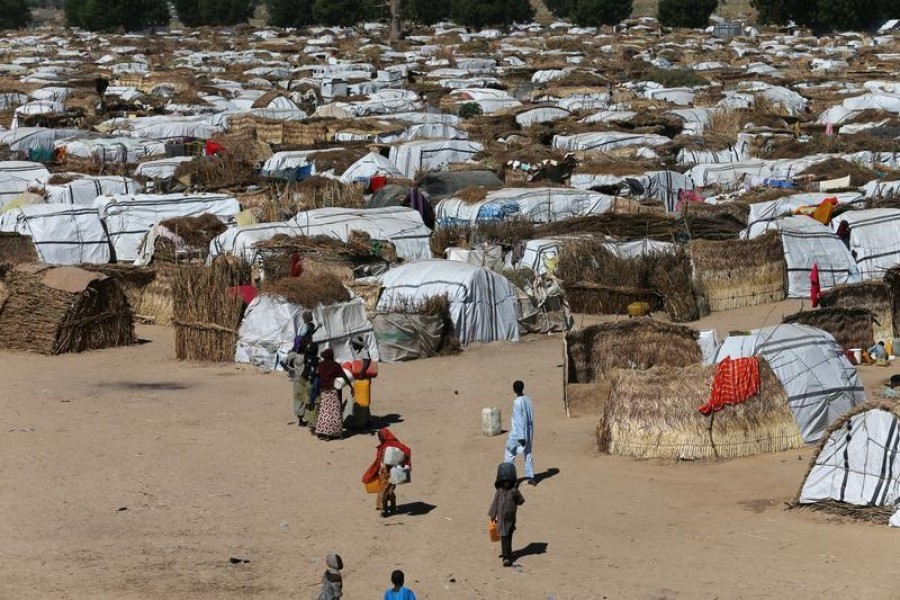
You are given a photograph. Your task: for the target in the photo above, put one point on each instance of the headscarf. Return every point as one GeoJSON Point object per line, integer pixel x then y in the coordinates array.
{"type": "Point", "coordinates": [329, 370]}
{"type": "Point", "coordinates": [388, 440]}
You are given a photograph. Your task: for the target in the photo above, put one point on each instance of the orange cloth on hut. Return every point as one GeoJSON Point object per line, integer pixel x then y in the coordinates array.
{"type": "Point", "coordinates": [823, 211]}
{"type": "Point", "coordinates": [735, 381]}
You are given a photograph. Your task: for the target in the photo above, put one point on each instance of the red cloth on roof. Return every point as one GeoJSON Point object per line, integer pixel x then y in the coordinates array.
{"type": "Point", "coordinates": [387, 441]}
{"type": "Point", "coordinates": [296, 269]}
{"type": "Point", "coordinates": [377, 182]}
{"type": "Point", "coordinates": [734, 382]}
{"type": "Point", "coordinates": [245, 292]}
{"type": "Point", "coordinates": [815, 288]}
{"type": "Point", "coordinates": [213, 148]}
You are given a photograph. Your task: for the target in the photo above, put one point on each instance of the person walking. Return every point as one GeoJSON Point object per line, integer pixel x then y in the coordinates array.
{"type": "Point", "coordinates": [296, 363]}
{"type": "Point", "coordinates": [397, 591]}
{"type": "Point", "coordinates": [332, 582]}
{"type": "Point", "coordinates": [504, 507]}
{"type": "Point", "coordinates": [521, 431]}
{"type": "Point", "coordinates": [329, 423]}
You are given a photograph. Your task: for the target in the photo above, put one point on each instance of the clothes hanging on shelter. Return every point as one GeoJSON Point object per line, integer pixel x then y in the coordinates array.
{"type": "Point", "coordinates": [735, 381]}
{"type": "Point", "coordinates": [815, 287]}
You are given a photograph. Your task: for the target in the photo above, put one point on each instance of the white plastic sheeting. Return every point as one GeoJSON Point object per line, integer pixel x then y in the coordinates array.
{"type": "Point", "coordinates": [239, 241]}
{"type": "Point", "coordinates": [605, 141]}
{"type": "Point", "coordinates": [875, 238]}
{"type": "Point", "coordinates": [807, 242]}
{"type": "Point", "coordinates": [537, 205]}
{"type": "Point", "coordinates": [430, 155]}
{"type": "Point", "coordinates": [763, 215]}
{"type": "Point", "coordinates": [368, 166]}
{"type": "Point", "coordinates": [112, 149]}
{"type": "Point", "coordinates": [401, 226]}
{"type": "Point", "coordinates": [128, 218]}
{"type": "Point", "coordinates": [859, 463]}
{"type": "Point", "coordinates": [86, 188]}
{"type": "Point", "coordinates": [23, 139]}
{"type": "Point", "coordinates": [17, 175]}
{"type": "Point", "coordinates": [882, 189]}
{"type": "Point", "coordinates": [271, 323]}
{"type": "Point", "coordinates": [483, 304]}
{"type": "Point", "coordinates": [541, 114]}
{"type": "Point", "coordinates": [820, 382]}
{"type": "Point", "coordinates": [62, 234]}
{"type": "Point", "coordinates": [161, 169]}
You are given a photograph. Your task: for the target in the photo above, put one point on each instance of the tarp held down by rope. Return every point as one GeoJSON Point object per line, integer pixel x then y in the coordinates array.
{"type": "Point", "coordinates": [404, 337]}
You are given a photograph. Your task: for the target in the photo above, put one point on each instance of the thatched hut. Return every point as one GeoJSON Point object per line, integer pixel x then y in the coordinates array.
{"type": "Point", "coordinates": [639, 343]}
{"type": "Point", "coordinates": [846, 475]}
{"type": "Point", "coordinates": [739, 273]}
{"type": "Point", "coordinates": [64, 309]}
{"type": "Point", "coordinates": [321, 253]}
{"type": "Point", "coordinates": [654, 414]}
{"type": "Point", "coordinates": [850, 327]}
{"type": "Point", "coordinates": [145, 296]}
{"type": "Point", "coordinates": [16, 249]}
{"type": "Point", "coordinates": [872, 295]}
{"type": "Point", "coordinates": [207, 312]}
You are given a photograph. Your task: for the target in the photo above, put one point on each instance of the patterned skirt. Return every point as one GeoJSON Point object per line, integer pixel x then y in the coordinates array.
{"type": "Point", "coordinates": [329, 422]}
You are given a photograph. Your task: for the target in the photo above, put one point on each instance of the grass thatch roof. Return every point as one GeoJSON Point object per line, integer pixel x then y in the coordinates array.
{"type": "Point", "coordinates": [738, 273]}
{"type": "Point", "coordinates": [88, 311]}
{"type": "Point", "coordinates": [875, 514]}
{"type": "Point", "coordinates": [639, 343]}
{"type": "Point", "coordinates": [16, 249]}
{"type": "Point", "coordinates": [872, 295]}
{"type": "Point", "coordinates": [197, 232]}
{"type": "Point", "coordinates": [653, 414]}
{"type": "Point", "coordinates": [309, 290]}
{"type": "Point", "coordinates": [851, 327]}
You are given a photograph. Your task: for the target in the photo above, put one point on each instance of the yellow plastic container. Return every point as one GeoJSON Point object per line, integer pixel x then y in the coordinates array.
{"type": "Point", "coordinates": [362, 391]}
{"type": "Point", "coordinates": [373, 487]}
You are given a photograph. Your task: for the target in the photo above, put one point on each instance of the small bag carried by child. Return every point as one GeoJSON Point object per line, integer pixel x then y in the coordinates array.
{"type": "Point", "coordinates": [492, 531]}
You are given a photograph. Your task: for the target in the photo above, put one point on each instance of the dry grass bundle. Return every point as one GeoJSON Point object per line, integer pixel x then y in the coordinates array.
{"type": "Point", "coordinates": [196, 232]}
{"type": "Point", "coordinates": [736, 211]}
{"type": "Point", "coordinates": [323, 253]}
{"type": "Point", "coordinates": [234, 166]}
{"type": "Point", "coordinates": [309, 290]}
{"type": "Point", "coordinates": [206, 314]}
{"type": "Point", "coordinates": [337, 160]}
{"type": "Point", "coordinates": [874, 296]}
{"type": "Point", "coordinates": [39, 318]}
{"type": "Point", "coordinates": [653, 414]}
{"type": "Point", "coordinates": [318, 192]}
{"type": "Point", "coordinates": [16, 249]}
{"type": "Point", "coordinates": [607, 164]}
{"type": "Point", "coordinates": [835, 168]}
{"type": "Point", "coordinates": [598, 299]}
{"type": "Point", "coordinates": [61, 178]}
{"type": "Point", "coordinates": [714, 227]}
{"type": "Point", "coordinates": [638, 343]}
{"type": "Point", "coordinates": [739, 273]}
{"type": "Point", "coordinates": [874, 514]}
{"type": "Point", "coordinates": [727, 123]}
{"type": "Point", "coordinates": [149, 290]}
{"type": "Point", "coordinates": [671, 278]}
{"type": "Point", "coordinates": [472, 194]}
{"type": "Point", "coordinates": [851, 327]}
{"type": "Point", "coordinates": [623, 226]}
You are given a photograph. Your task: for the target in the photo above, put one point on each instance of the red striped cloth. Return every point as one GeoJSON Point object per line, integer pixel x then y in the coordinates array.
{"type": "Point", "coordinates": [735, 381]}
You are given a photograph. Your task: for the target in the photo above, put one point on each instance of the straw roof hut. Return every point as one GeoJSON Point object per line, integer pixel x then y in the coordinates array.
{"type": "Point", "coordinates": [653, 414]}
{"type": "Point", "coordinates": [64, 309]}
{"type": "Point", "coordinates": [321, 253]}
{"type": "Point", "coordinates": [149, 301]}
{"type": "Point", "coordinates": [872, 295]}
{"type": "Point", "coordinates": [639, 343]}
{"type": "Point", "coordinates": [739, 273]}
{"type": "Point", "coordinates": [850, 327]}
{"type": "Point", "coordinates": [16, 249]}
{"type": "Point", "coordinates": [846, 475]}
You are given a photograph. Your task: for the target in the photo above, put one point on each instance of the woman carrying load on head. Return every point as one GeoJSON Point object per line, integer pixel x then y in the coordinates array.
{"type": "Point", "coordinates": [329, 424]}
{"type": "Point", "coordinates": [386, 501]}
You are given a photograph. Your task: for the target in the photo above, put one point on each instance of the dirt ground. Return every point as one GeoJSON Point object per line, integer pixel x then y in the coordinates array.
{"type": "Point", "coordinates": [126, 474]}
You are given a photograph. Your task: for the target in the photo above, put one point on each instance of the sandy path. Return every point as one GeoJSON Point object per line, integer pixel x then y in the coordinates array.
{"type": "Point", "coordinates": [209, 466]}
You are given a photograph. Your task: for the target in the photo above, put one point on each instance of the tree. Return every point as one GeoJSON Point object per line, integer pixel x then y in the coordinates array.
{"type": "Point", "coordinates": [490, 13]}
{"type": "Point", "coordinates": [593, 13]}
{"type": "Point", "coordinates": [343, 13]}
{"type": "Point", "coordinates": [109, 15]}
{"type": "Point", "coordinates": [685, 13]}
{"type": "Point", "coordinates": [425, 12]}
{"type": "Point", "coordinates": [824, 15]}
{"type": "Point", "coordinates": [561, 9]}
{"type": "Point", "coordinates": [290, 13]}
{"type": "Point", "coordinates": [14, 14]}
{"type": "Point", "coordinates": [194, 13]}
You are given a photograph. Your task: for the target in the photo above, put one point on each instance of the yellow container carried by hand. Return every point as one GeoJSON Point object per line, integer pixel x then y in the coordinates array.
{"type": "Point", "coordinates": [362, 390]}
{"type": "Point", "coordinates": [373, 487]}
{"type": "Point", "coordinates": [493, 532]}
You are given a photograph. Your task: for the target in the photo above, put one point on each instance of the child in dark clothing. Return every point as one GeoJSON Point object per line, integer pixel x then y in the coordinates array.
{"type": "Point", "coordinates": [503, 509]}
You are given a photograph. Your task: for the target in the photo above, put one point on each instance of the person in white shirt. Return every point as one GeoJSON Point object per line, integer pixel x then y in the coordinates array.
{"type": "Point", "coordinates": [521, 431]}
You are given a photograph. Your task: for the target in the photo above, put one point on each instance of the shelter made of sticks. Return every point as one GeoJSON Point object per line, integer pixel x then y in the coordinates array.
{"type": "Point", "coordinates": [639, 343]}
{"type": "Point", "coordinates": [872, 295]}
{"type": "Point", "coordinates": [207, 311]}
{"type": "Point", "coordinates": [654, 414]}
{"type": "Point", "coordinates": [850, 327]}
{"type": "Point", "coordinates": [64, 309]}
{"type": "Point", "coordinates": [324, 253]}
{"type": "Point", "coordinates": [739, 273]}
{"type": "Point", "coordinates": [892, 280]}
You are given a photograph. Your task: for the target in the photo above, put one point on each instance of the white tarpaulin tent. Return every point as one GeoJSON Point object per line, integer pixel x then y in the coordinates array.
{"type": "Point", "coordinates": [483, 304]}
{"type": "Point", "coordinates": [807, 242]}
{"type": "Point", "coordinates": [62, 234]}
{"type": "Point", "coordinates": [129, 218]}
{"type": "Point", "coordinates": [370, 165]}
{"type": "Point", "coordinates": [16, 175]}
{"type": "Point", "coordinates": [537, 205]}
{"type": "Point", "coordinates": [431, 155]}
{"type": "Point", "coordinates": [605, 141]}
{"type": "Point", "coordinates": [859, 463]}
{"type": "Point", "coordinates": [763, 215]}
{"type": "Point", "coordinates": [401, 226]}
{"type": "Point", "coordinates": [875, 237]}
{"type": "Point", "coordinates": [820, 383]}
{"type": "Point", "coordinates": [239, 241]}
{"type": "Point", "coordinates": [85, 189]}
{"type": "Point", "coordinates": [271, 323]}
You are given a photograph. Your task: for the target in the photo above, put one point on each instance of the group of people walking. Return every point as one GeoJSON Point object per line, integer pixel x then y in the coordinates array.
{"type": "Point", "coordinates": [318, 383]}
{"type": "Point", "coordinates": [333, 582]}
